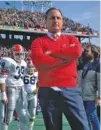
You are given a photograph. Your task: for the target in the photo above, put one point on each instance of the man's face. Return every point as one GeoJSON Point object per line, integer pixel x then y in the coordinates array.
{"type": "Point", "coordinates": [54, 21]}
{"type": "Point", "coordinates": [88, 53]}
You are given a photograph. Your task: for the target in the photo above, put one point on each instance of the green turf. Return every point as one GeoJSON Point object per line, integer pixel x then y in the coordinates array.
{"type": "Point", "coordinates": [39, 124]}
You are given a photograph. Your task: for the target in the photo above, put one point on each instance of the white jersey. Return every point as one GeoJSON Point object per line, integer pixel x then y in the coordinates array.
{"type": "Point", "coordinates": [30, 82]}
{"type": "Point", "coordinates": [12, 72]}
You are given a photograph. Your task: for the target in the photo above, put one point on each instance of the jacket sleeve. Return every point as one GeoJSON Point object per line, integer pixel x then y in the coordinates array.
{"type": "Point", "coordinates": [98, 80]}
{"type": "Point", "coordinates": [39, 59]}
{"type": "Point", "coordinates": [71, 52]}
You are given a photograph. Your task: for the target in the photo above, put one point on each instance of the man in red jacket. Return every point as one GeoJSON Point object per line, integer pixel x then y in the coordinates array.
{"type": "Point", "coordinates": [55, 56]}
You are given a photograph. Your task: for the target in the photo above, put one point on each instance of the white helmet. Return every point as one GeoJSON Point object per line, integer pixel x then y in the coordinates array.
{"type": "Point", "coordinates": [30, 67]}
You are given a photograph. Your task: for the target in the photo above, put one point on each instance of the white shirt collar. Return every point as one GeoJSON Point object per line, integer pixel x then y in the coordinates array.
{"type": "Point", "coordinates": [50, 34]}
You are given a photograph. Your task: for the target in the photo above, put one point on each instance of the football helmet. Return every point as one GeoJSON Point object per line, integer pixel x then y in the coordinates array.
{"type": "Point", "coordinates": [30, 67]}
{"type": "Point", "coordinates": [18, 52]}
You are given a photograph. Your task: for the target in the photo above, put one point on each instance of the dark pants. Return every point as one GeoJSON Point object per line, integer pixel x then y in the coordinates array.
{"type": "Point", "coordinates": [67, 101]}
{"type": "Point", "coordinates": [98, 111]}
{"type": "Point", "coordinates": [91, 111]}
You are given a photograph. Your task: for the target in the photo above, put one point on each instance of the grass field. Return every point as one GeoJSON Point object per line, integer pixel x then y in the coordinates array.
{"type": "Point", "coordinates": [39, 124]}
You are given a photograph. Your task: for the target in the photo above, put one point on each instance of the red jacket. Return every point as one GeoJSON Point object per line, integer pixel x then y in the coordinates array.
{"type": "Point", "coordinates": [54, 70]}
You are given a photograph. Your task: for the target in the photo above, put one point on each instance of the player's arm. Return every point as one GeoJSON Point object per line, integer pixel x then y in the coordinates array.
{"type": "Point", "coordinates": [3, 92]}
{"type": "Point", "coordinates": [36, 90]}
{"type": "Point", "coordinates": [3, 75]}
{"type": "Point", "coordinates": [37, 87]}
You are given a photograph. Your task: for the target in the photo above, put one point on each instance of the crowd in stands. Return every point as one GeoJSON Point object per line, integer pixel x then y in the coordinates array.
{"type": "Point", "coordinates": [14, 17]}
{"type": "Point", "coordinates": [27, 19]}
{"type": "Point", "coordinates": [4, 51]}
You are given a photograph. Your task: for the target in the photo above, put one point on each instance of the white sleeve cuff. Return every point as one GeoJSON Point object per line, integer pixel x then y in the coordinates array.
{"type": "Point", "coordinates": [2, 80]}
{"type": "Point", "coordinates": [3, 96]}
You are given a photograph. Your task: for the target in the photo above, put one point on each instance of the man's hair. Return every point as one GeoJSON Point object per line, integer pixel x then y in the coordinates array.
{"type": "Point", "coordinates": [94, 50]}
{"type": "Point", "coordinates": [53, 8]}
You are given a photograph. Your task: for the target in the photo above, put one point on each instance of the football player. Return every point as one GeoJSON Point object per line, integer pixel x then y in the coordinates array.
{"type": "Point", "coordinates": [30, 84]}
{"type": "Point", "coordinates": [12, 88]}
